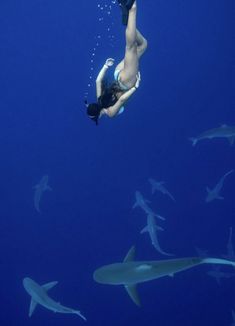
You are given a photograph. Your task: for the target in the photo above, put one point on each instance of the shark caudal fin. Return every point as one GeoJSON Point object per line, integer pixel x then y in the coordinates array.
{"type": "Point", "coordinates": [77, 312]}
{"type": "Point", "coordinates": [218, 261]}
{"type": "Point", "coordinates": [193, 140]}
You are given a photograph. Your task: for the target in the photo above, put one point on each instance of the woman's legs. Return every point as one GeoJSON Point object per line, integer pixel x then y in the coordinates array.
{"type": "Point", "coordinates": [136, 45]}
{"type": "Point", "coordinates": [141, 43]}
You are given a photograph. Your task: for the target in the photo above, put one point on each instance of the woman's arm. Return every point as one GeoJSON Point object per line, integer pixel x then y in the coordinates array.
{"type": "Point", "coordinates": [113, 110]}
{"type": "Point", "coordinates": [109, 62]}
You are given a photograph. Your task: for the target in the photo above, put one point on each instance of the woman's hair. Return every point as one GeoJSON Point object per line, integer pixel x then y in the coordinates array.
{"type": "Point", "coordinates": [107, 98]}
{"type": "Point", "coordinates": [108, 95]}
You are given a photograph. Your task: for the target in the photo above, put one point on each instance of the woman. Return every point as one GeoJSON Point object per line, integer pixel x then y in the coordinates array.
{"type": "Point", "coordinates": [111, 99]}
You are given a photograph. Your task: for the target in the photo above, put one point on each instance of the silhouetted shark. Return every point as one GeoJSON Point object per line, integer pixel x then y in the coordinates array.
{"type": "Point", "coordinates": [39, 295]}
{"type": "Point", "coordinates": [222, 132]}
{"type": "Point", "coordinates": [129, 273]}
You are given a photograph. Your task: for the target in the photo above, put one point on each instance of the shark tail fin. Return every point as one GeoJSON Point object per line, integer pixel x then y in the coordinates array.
{"type": "Point", "coordinates": [218, 261]}
{"type": "Point", "coordinates": [131, 290]}
{"type": "Point", "coordinates": [77, 312]}
{"type": "Point", "coordinates": [193, 140]}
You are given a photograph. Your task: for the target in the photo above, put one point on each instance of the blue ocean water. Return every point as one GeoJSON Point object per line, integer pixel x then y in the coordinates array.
{"type": "Point", "coordinates": [87, 221]}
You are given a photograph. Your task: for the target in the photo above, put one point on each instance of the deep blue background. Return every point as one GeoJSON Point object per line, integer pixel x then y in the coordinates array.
{"type": "Point", "coordinates": [87, 221]}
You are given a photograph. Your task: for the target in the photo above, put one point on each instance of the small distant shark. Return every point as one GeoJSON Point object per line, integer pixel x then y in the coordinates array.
{"type": "Point", "coordinates": [215, 192]}
{"type": "Point", "coordinates": [218, 274]}
{"type": "Point", "coordinates": [152, 229]}
{"type": "Point", "coordinates": [129, 273]}
{"type": "Point", "coordinates": [141, 202]}
{"type": "Point", "coordinates": [39, 190]}
{"type": "Point", "coordinates": [39, 295]}
{"type": "Point", "coordinates": [160, 187]}
{"type": "Point", "coordinates": [222, 132]}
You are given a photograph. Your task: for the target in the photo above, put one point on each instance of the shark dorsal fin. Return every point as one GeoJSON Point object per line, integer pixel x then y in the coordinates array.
{"type": "Point", "coordinates": [49, 285]}
{"type": "Point", "coordinates": [32, 307]}
{"type": "Point", "coordinates": [130, 255]}
{"type": "Point", "coordinates": [131, 290]}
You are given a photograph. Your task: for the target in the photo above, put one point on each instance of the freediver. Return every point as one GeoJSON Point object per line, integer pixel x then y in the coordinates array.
{"type": "Point", "coordinates": [111, 98]}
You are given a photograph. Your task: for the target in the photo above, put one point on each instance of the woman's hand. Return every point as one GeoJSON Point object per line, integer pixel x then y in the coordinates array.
{"type": "Point", "coordinates": [138, 79]}
{"type": "Point", "coordinates": [109, 62]}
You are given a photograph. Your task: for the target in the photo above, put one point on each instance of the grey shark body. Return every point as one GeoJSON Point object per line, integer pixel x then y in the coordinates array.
{"type": "Point", "coordinates": [39, 295]}
{"type": "Point", "coordinates": [152, 228]}
{"type": "Point", "coordinates": [222, 132]}
{"type": "Point", "coordinates": [129, 272]}
{"type": "Point", "coordinates": [215, 192]}
{"type": "Point", "coordinates": [159, 186]}
{"type": "Point", "coordinates": [40, 188]}
{"type": "Point", "coordinates": [141, 202]}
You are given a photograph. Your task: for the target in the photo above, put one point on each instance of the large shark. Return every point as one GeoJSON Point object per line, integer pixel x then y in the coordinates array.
{"type": "Point", "coordinates": [129, 272]}
{"type": "Point", "coordinates": [141, 202]}
{"type": "Point", "coordinates": [159, 185]}
{"type": "Point", "coordinates": [215, 192]}
{"type": "Point", "coordinates": [39, 295]}
{"type": "Point", "coordinates": [39, 189]}
{"type": "Point", "coordinates": [152, 228]}
{"type": "Point", "coordinates": [222, 132]}
{"type": "Point", "coordinates": [218, 274]}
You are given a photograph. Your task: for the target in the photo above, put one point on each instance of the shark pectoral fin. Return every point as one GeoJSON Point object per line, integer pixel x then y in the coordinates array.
{"type": "Point", "coordinates": [145, 229]}
{"type": "Point", "coordinates": [48, 188]}
{"type": "Point", "coordinates": [130, 255]}
{"type": "Point", "coordinates": [160, 217]}
{"type": "Point", "coordinates": [231, 140]}
{"type": "Point", "coordinates": [159, 228]}
{"type": "Point", "coordinates": [220, 197]}
{"type": "Point", "coordinates": [131, 290]}
{"type": "Point", "coordinates": [49, 285]}
{"type": "Point", "coordinates": [135, 205]}
{"type": "Point", "coordinates": [33, 305]}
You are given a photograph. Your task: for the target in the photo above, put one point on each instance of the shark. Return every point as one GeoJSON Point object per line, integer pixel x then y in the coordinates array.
{"type": "Point", "coordinates": [218, 274]}
{"type": "Point", "coordinates": [129, 273]}
{"type": "Point", "coordinates": [39, 295]}
{"type": "Point", "coordinates": [141, 202]}
{"type": "Point", "coordinates": [223, 131]}
{"type": "Point", "coordinates": [40, 188]}
{"type": "Point", "coordinates": [152, 228]}
{"type": "Point", "coordinates": [215, 192]}
{"type": "Point", "coordinates": [159, 185]}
